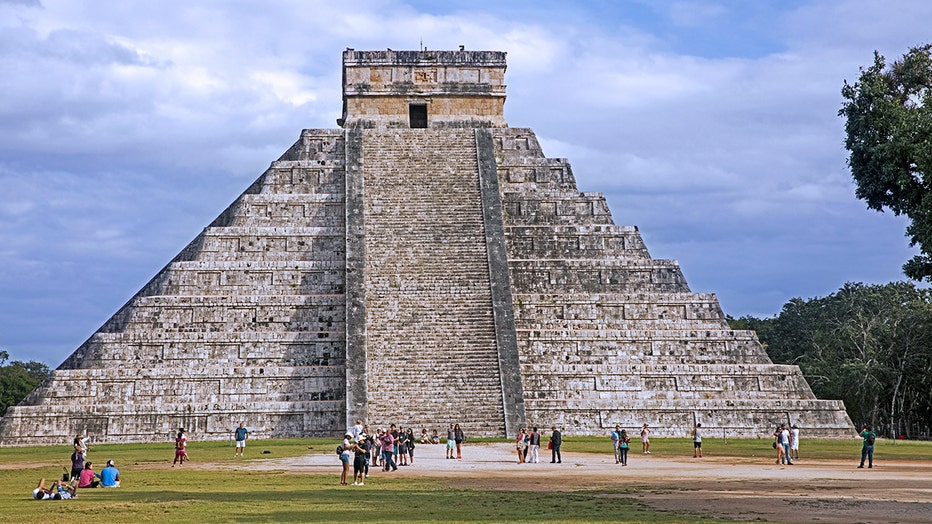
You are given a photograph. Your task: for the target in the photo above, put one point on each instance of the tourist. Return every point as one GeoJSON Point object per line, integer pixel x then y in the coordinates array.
{"type": "Point", "coordinates": [451, 441]}
{"type": "Point", "coordinates": [785, 444]}
{"type": "Point", "coordinates": [623, 442]}
{"type": "Point", "coordinates": [80, 444]}
{"type": "Point", "coordinates": [110, 476]}
{"type": "Point", "coordinates": [778, 446]}
{"type": "Point", "coordinates": [867, 448]}
{"type": "Point", "coordinates": [645, 440]}
{"type": "Point", "coordinates": [411, 446]}
{"type": "Point", "coordinates": [395, 435]}
{"type": "Point", "coordinates": [87, 478]}
{"type": "Point", "coordinates": [794, 442]}
{"type": "Point", "coordinates": [534, 446]}
{"type": "Point", "coordinates": [61, 491]}
{"type": "Point", "coordinates": [616, 443]}
{"type": "Point", "coordinates": [77, 463]}
{"type": "Point", "coordinates": [358, 429]}
{"type": "Point", "coordinates": [697, 441]}
{"type": "Point", "coordinates": [346, 452]}
{"type": "Point", "coordinates": [435, 437]}
{"type": "Point", "coordinates": [459, 437]}
{"type": "Point", "coordinates": [425, 437]}
{"type": "Point", "coordinates": [556, 440]}
{"type": "Point", "coordinates": [240, 435]}
{"type": "Point", "coordinates": [360, 461]}
{"type": "Point", "coordinates": [520, 445]}
{"type": "Point", "coordinates": [388, 450]}
{"type": "Point", "coordinates": [402, 446]}
{"type": "Point", "coordinates": [181, 448]}
{"type": "Point", "coordinates": [376, 448]}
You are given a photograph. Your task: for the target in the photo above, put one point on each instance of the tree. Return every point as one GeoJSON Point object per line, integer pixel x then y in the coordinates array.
{"type": "Point", "coordinates": [888, 114]}
{"type": "Point", "coordinates": [868, 345]}
{"type": "Point", "coordinates": [18, 379]}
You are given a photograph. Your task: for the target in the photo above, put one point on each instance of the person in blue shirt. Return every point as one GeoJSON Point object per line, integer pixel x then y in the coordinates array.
{"type": "Point", "coordinates": [241, 435]}
{"type": "Point", "coordinates": [110, 476]}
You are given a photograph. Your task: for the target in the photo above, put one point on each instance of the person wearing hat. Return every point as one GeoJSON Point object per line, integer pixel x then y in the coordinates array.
{"type": "Point", "coordinates": [645, 440]}
{"type": "Point", "coordinates": [347, 451]}
{"type": "Point", "coordinates": [110, 476]}
{"type": "Point", "coordinates": [360, 459]}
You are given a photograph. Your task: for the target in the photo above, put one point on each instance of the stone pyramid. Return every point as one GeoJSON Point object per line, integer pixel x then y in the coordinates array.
{"type": "Point", "coordinates": [424, 264]}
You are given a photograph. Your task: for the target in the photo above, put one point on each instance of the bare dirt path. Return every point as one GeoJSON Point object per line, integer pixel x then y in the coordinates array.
{"type": "Point", "coordinates": [746, 489]}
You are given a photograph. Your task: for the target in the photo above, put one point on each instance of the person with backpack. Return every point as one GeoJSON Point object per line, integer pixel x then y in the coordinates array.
{"type": "Point", "coordinates": [867, 448]}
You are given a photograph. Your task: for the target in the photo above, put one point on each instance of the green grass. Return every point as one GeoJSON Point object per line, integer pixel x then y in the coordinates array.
{"type": "Point", "coordinates": [158, 494]}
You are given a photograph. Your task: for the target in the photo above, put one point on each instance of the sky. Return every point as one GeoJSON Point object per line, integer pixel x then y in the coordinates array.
{"type": "Point", "coordinates": [126, 127]}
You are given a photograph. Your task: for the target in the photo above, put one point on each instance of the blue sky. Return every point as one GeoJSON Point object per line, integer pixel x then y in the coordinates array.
{"type": "Point", "coordinates": [126, 127]}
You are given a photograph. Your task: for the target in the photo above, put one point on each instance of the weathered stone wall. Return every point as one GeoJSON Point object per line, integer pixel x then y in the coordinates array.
{"type": "Point", "coordinates": [459, 88]}
{"type": "Point", "coordinates": [247, 323]}
{"type": "Point", "coordinates": [609, 335]}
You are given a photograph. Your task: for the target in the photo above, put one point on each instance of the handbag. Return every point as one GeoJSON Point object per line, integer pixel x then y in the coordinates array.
{"type": "Point", "coordinates": [550, 445]}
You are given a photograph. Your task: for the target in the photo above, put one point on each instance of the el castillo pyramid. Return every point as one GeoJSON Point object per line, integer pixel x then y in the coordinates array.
{"type": "Point", "coordinates": [423, 264]}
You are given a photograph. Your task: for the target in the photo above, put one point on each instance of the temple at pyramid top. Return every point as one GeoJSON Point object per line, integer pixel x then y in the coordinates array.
{"type": "Point", "coordinates": [423, 89]}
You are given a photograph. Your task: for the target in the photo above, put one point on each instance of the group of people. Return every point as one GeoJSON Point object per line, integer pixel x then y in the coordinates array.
{"type": "Point", "coordinates": [82, 475]}
{"type": "Point", "coordinates": [786, 442]}
{"type": "Point", "coordinates": [621, 443]}
{"type": "Point", "coordinates": [389, 448]}
{"type": "Point", "coordinates": [527, 446]}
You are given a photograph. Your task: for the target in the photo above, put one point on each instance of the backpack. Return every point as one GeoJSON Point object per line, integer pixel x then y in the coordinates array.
{"type": "Point", "coordinates": [870, 438]}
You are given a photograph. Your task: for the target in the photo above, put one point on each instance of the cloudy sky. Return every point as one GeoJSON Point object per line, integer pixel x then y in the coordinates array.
{"type": "Point", "coordinates": [127, 126]}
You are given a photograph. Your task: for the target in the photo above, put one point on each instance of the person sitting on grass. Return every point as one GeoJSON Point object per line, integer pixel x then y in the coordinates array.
{"type": "Point", "coordinates": [110, 476]}
{"type": "Point", "coordinates": [60, 491]}
{"type": "Point", "coordinates": [87, 478]}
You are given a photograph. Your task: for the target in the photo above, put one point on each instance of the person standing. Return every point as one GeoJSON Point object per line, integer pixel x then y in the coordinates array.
{"type": "Point", "coordinates": [534, 445]}
{"type": "Point", "coordinates": [556, 440]}
{"type": "Point", "coordinates": [519, 445]}
{"type": "Point", "coordinates": [77, 463]}
{"type": "Point", "coordinates": [785, 443]}
{"type": "Point", "coordinates": [451, 442]}
{"type": "Point", "coordinates": [388, 451]}
{"type": "Point", "coordinates": [645, 440]}
{"type": "Point", "coordinates": [697, 441]}
{"type": "Point", "coordinates": [402, 446]}
{"type": "Point", "coordinates": [358, 429]}
{"type": "Point", "coordinates": [777, 446]}
{"type": "Point", "coordinates": [794, 442]}
{"type": "Point", "coordinates": [459, 437]}
{"type": "Point", "coordinates": [346, 452]}
{"type": "Point", "coordinates": [616, 439]}
{"type": "Point", "coordinates": [623, 447]}
{"type": "Point", "coordinates": [181, 448]}
{"type": "Point", "coordinates": [240, 435]}
{"type": "Point", "coordinates": [360, 461]}
{"type": "Point", "coordinates": [867, 448]}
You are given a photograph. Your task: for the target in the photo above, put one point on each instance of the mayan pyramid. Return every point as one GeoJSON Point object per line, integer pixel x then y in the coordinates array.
{"type": "Point", "coordinates": [423, 264]}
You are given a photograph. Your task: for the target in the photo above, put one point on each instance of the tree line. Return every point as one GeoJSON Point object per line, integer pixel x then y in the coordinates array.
{"type": "Point", "coordinates": [18, 379]}
{"type": "Point", "coordinates": [867, 345]}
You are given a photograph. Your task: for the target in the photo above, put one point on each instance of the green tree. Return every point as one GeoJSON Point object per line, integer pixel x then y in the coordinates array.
{"type": "Point", "coordinates": [888, 114]}
{"type": "Point", "coordinates": [870, 346]}
{"type": "Point", "coordinates": [18, 379]}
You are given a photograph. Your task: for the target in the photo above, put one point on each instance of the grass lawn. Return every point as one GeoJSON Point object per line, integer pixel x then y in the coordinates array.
{"type": "Point", "coordinates": [157, 494]}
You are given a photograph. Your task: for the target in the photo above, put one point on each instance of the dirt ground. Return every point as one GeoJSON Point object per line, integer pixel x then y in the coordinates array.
{"type": "Point", "coordinates": [744, 489]}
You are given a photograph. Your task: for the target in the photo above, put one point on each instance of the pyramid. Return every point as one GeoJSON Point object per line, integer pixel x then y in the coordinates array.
{"type": "Point", "coordinates": [424, 264]}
